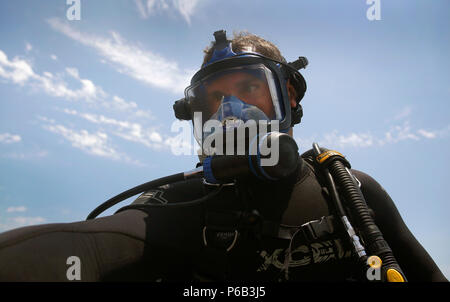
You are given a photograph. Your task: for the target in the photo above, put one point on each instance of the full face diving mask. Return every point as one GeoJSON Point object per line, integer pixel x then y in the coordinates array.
{"type": "Point", "coordinates": [233, 96]}
{"type": "Point", "coordinates": [233, 88]}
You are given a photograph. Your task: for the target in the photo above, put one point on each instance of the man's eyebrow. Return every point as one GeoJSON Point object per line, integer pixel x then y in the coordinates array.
{"type": "Point", "coordinates": [246, 82]}
{"type": "Point", "coordinates": [214, 93]}
{"type": "Point", "coordinates": [216, 90]}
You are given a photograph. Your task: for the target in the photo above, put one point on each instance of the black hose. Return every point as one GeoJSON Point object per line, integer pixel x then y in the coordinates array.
{"type": "Point", "coordinates": [133, 191]}
{"type": "Point", "coordinates": [372, 235]}
{"type": "Point", "coordinates": [175, 204]}
{"type": "Point", "coordinates": [358, 248]}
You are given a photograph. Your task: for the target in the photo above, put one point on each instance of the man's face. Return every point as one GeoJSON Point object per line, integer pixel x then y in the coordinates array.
{"type": "Point", "coordinates": [245, 87]}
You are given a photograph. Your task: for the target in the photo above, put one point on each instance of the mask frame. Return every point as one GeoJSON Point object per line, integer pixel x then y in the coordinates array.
{"type": "Point", "coordinates": [224, 57]}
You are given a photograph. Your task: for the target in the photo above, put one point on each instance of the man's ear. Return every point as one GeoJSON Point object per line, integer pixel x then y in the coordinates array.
{"type": "Point", "coordinates": [292, 94]}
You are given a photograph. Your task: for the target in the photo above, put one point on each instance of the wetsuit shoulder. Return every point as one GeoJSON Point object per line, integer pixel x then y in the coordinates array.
{"type": "Point", "coordinates": [181, 191]}
{"type": "Point", "coordinates": [410, 254]}
{"type": "Point", "coordinates": [307, 201]}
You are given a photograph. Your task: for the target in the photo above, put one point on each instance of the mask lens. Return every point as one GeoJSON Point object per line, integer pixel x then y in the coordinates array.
{"type": "Point", "coordinates": [246, 92]}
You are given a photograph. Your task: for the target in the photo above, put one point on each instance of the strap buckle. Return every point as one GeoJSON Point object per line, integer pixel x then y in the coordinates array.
{"type": "Point", "coordinates": [318, 229]}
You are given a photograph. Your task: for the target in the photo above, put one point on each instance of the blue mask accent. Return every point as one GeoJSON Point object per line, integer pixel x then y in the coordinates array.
{"type": "Point", "coordinates": [231, 106]}
{"type": "Point", "coordinates": [226, 52]}
{"type": "Point", "coordinates": [221, 54]}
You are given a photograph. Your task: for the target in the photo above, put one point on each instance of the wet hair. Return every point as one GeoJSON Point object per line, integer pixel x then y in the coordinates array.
{"type": "Point", "coordinates": [243, 41]}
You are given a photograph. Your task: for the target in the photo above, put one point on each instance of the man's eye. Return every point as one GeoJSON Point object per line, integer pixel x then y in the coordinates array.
{"type": "Point", "coordinates": [251, 88]}
{"type": "Point", "coordinates": [217, 97]}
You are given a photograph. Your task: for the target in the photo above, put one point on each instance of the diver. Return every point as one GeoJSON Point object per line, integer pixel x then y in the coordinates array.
{"type": "Point", "coordinates": [240, 220]}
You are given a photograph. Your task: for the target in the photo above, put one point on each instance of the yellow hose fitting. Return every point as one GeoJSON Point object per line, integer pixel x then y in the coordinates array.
{"type": "Point", "coordinates": [394, 276]}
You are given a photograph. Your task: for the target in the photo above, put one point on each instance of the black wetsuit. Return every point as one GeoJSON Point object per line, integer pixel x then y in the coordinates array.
{"type": "Point", "coordinates": [141, 242]}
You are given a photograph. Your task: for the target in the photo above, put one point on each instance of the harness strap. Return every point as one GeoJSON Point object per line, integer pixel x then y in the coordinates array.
{"type": "Point", "coordinates": [223, 229]}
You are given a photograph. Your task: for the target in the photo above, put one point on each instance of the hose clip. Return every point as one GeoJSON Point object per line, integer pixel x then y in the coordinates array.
{"type": "Point", "coordinates": [327, 157]}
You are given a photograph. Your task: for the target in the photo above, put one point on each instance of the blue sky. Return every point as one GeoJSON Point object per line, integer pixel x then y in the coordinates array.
{"type": "Point", "coordinates": [86, 106]}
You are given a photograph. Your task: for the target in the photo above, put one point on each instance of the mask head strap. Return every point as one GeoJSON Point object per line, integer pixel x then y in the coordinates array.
{"type": "Point", "coordinates": [222, 48]}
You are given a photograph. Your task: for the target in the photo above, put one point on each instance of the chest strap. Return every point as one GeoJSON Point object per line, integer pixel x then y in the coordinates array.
{"type": "Point", "coordinates": [223, 229]}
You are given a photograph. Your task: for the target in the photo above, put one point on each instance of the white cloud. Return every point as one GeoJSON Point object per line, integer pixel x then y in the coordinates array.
{"type": "Point", "coordinates": [404, 113]}
{"type": "Point", "coordinates": [144, 114]}
{"type": "Point", "coordinates": [186, 8]}
{"type": "Point", "coordinates": [17, 70]}
{"type": "Point", "coordinates": [118, 103]}
{"type": "Point", "coordinates": [141, 8]}
{"type": "Point", "coordinates": [130, 131]}
{"type": "Point", "coordinates": [434, 134]}
{"type": "Point", "coordinates": [48, 74]}
{"type": "Point", "coordinates": [16, 209]}
{"type": "Point", "coordinates": [20, 72]}
{"type": "Point", "coordinates": [26, 155]}
{"type": "Point", "coordinates": [73, 72]}
{"type": "Point", "coordinates": [156, 137]}
{"type": "Point", "coordinates": [57, 88]}
{"type": "Point", "coordinates": [54, 57]}
{"type": "Point", "coordinates": [8, 138]}
{"type": "Point", "coordinates": [28, 47]}
{"type": "Point", "coordinates": [20, 221]}
{"type": "Point", "coordinates": [28, 220]}
{"type": "Point", "coordinates": [352, 139]}
{"type": "Point", "coordinates": [426, 134]}
{"type": "Point", "coordinates": [131, 60]}
{"type": "Point", "coordinates": [399, 133]}
{"type": "Point", "coordinates": [46, 119]}
{"type": "Point", "coordinates": [95, 144]}
{"type": "Point", "coordinates": [394, 135]}
{"type": "Point", "coordinates": [121, 104]}
{"type": "Point", "coordinates": [70, 111]}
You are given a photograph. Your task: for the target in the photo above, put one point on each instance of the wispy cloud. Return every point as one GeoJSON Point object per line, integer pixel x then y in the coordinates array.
{"type": "Point", "coordinates": [16, 209]}
{"type": "Point", "coordinates": [137, 133]}
{"type": "Point", "coordinates": [130, 59]}
{"type": "Point", "coordinates": [7, 138]}
{"type": "Point", "coordinates": [28, 47]}
{"type": "Point", "coordinates": [97, 143]}
{"type": "Point", "coordinates": [399, 133]}
{"type": "Point", "coordinates": [394, 134]}
{"type": "Point", "coordinates": [130, 131]}
{"type": "Point", "coordinates": [16, 70]}
{"type": "Point", "coordinates": [142, 9]}
{"type": "Point", "coordinates": [26, 155]}
{"type": "Point", "coordinates": [432, 134]}
{"type": "Point", "coordinates": [9, 223]}
{"type": "Point", "coordinates": [92, 143]}
{"type": "Point", "coordinates": [20, 72]}
{"type": "Point", "coordinates": [186, 8]}
{"type": "Point", "coordinates": [404, 113]}
{"type": "Point", "coordinates": [20, 221]}
{"type": "Point", "coordinates": [426, 134]}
